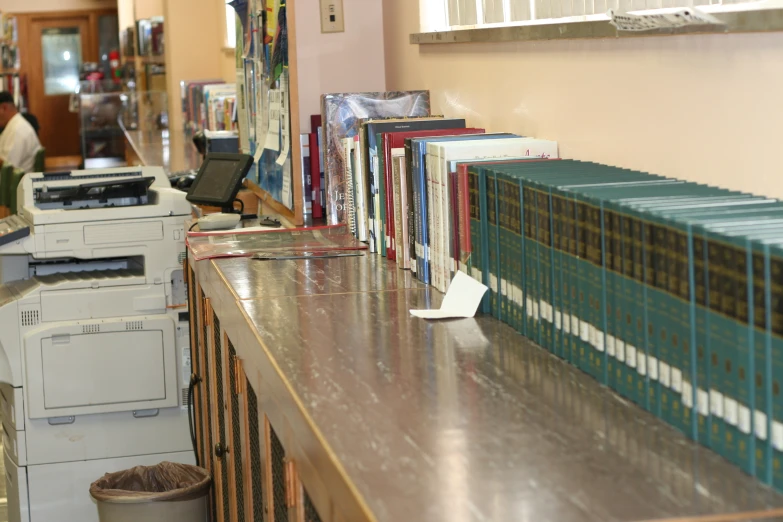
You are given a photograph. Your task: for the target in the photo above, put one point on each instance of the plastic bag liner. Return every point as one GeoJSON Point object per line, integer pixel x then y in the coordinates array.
{"type": "Point", "coordinates": [167, 481]}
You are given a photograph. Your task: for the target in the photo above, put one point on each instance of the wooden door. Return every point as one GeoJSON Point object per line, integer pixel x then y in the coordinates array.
{"type": "Point", "coordinates": [58, 47]}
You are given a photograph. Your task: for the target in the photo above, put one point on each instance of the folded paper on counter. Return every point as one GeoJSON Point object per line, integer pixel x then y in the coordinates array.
{"type": "Point", "coordinates": [462, 299]}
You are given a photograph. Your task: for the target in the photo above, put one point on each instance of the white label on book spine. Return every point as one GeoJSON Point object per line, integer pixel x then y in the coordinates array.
{"type": "Point", "coordinates": [704, 402]}
{"type": "Point", "coordinates": [418, 251]}
{"type": "Point", "coordinates": [558, 320]}
{"type": "Point", "coordinates": [777, 435]}
{"type": "Point", "coordinates": [652, 367]}
{"type": "Point", "coordinates": [744, 419]}
{"type": "Point", "coordinates": [591, 335]}
{"type": "Point", "coordinates": [610, 345]}
{"type": "Point", "coordinates": [475, 273]}
{"type": "Point", "coordinates": [620, 351]}
{"type": "Point", "coordinates": [567, 323]}
{"type": "Point", "coordinates": [730, 410]}
{"type": "Point", "coordinates": [599, 341]}
{"type": "Point", "coordinates": [503, 287]}
{"type": "Point", "coordinates": [575, 325]}
{"type": "Point", "coordinates": [464, 269]}
{"type": "Point", "coordinates": [716, 403]}
{"type": "Point", "coordinates": [630, 355]}
{"type": "Point", "coordinates": [542, 307]}
{"type": "Point", "coordinates": [518, 298]}
{"type": "Point", "coordinates": [413, 267]}
{"type": "Point", "coordinates": [535, 311]}
{"type": "Point", "coordinates": [760, 424]}
{"type": "Point", "coordinates": [453, 263]}
{"type": "Point", "coordinates": [529, 306]}
{"type": "Point", "coordinates": [665, 373]}
{"type": "Point", "coordinates": [584, 331]}
{"type": "Point", "coordinates": [641, 364]}
{"type": "Point", "coordinates": [687, 394]}
{"type": "Point", "coordinates": [676, 380]}
{"type": "Point", "coordinates": [493, 283]}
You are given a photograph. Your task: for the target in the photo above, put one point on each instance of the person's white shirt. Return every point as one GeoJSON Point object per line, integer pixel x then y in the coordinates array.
{"type": "Point", "coordinates": [19, 143]}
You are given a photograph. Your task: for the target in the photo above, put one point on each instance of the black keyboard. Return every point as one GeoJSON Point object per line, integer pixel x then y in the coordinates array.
{"type": "Point", "coordinates": [12, 229]}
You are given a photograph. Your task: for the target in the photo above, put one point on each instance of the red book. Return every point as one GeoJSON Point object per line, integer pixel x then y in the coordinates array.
{"type": "Point", "coordinates": [404, 239]}
{"type": "Point", "coordinates": [315, 174]}
{"type": "Point", "coordinates": [462, 216]}
{"type": "Point", "coordinates": [315, 122]}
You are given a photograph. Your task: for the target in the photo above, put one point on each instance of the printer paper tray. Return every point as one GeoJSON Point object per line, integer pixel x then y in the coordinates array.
{"type": "Point", "coordinates": [101, 366]}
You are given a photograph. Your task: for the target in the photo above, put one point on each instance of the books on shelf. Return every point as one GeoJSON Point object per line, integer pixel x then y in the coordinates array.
{"type": "Point", "coordinates": [668, 292]}
{"type": "Point", "coordinates": [341, 114]}
{"type": "Point", "coordinates": [209, 105]}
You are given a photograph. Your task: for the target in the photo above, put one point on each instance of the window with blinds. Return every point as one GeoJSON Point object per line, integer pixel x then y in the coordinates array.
{"type": "Point", "coordinates": [471, 13]}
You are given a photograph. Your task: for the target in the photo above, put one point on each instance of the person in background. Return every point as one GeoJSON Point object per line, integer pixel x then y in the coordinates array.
{"type": "Point", "coordinates": [18, 141]}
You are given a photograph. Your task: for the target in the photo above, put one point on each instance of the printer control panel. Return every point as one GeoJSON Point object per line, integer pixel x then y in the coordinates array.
{"type": "Point", "coordinates": [12, 229]}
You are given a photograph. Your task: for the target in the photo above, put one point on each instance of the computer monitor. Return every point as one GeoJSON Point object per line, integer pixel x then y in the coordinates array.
{"type": "Point", "coordinates": [219, 179]}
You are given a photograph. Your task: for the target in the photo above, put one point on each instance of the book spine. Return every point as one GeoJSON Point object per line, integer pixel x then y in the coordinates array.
{"type": "Point", "coordinates": [602, 324]}
{"type": "Point", "coordinates": [516, 240]}
{"type": "Point", "coordinates": [404, 223]}
{"type": "Point", "coordinates": [746, 445]}
{"type": "Point", "coordinates": [492, 253]}
{"type": "Point", "coordinates": [522, 264]}
{"type": "Point", "coordinates": [592, 233]}
{"type": "Point", "coordinates": [714, 348]}
{"type": "Point", "coordinates": [482, 237]}
{"type": "Point", "coordinates": [528, 211]}
{"type": "Point", "coordinates": [418, 214]}
{"type": "Point", "coordinates": [400, 237]}
{"type": "Point", "coordinates": [571, 322]}
{"type": "Point", "coordinates": [391, 187]}
{"type": "Point", "coordinates": [359, 194]}
{"type": "Point", "coordinates": [650, 321]}
{"type": "Point", "coordinates": [540, 305]}
{"type": "Point", "coordinates": [411, 200]}
{"type": "Point", "coordinates": [762, 413]}
{"type": "Point", "coordinates": [580, 324]}
{"type": "Point", "coordinates": [463, 214]}
{"type": "Point", "coordinates": [504, 255]}
{"type": "Point", "coordinates": [672, 338]}
{"type": "Point", "coordinates": [636, 296]}
{"type": "Point", "coordinates": [726, 328]}
{"type": "Point", "coordinates": [380, 204]}
{"type": "Point", "coordinates": [424, 267]}
{"type": "Point", "coordinates": [616, 373]}
{"type": "Point", "coordinates": [474, 213]}
{"type": "Point", "coordinates": [454, 221]}
{"type": "Point", "coordinates": [702, 356]}
{"type": "Point", "coordinates": [773, 274]}
{"type": "Point", "coordinates": [315, 173]}
{"type": "Point", "coordinates": [555, 274]}
{"type": "Point", "coordinates": [452, 226]}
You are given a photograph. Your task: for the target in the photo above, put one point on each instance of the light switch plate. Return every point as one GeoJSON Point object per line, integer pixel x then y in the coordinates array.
{"type": "Point", "coordinates": [332, 20]}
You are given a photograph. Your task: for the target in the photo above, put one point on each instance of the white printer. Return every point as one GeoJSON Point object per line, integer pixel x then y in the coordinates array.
{"type": "Point", "coordinates": [94, 348]}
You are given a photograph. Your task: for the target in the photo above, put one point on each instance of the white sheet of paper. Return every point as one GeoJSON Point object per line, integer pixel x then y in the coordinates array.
{"type": "Point", "coordinates": [273, 133]}
{"type": "Point", "coordinates": [462, 299]}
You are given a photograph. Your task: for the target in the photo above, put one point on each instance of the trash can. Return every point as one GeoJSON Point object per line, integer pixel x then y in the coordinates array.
{"type": "Point", "coordinates": [166, 492]}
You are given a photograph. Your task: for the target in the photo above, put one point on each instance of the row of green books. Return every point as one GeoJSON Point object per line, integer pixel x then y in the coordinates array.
{"type": "Point", "coordinates": [669, 292]}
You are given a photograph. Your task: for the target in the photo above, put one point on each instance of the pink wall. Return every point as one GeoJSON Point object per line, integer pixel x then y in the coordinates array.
{"type": "Point", "coordinates": [704, 108]}
{"type": "Point", "coordinates": [37, 6]}
{"type": "Point", "coordinates": [338, 62]}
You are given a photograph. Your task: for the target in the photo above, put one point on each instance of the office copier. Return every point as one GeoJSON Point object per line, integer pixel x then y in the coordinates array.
{"type": "Point", "coordinates": [94, 356]}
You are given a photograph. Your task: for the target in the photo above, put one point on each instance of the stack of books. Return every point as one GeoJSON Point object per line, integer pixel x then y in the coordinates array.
{"type": "Point", "coordinates": [666, 291]}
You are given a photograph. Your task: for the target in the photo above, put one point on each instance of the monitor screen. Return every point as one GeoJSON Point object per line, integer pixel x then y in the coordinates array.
{"type": "Point", "coordinates": [219, 179]}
